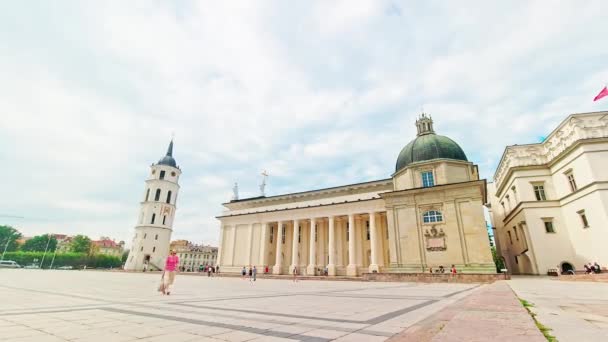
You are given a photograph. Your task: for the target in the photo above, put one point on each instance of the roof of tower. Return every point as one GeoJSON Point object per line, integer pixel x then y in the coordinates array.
{"type": "Point", "coordinates": [168, 158]}
{"type": "Point", "coordinates": [428, 146]}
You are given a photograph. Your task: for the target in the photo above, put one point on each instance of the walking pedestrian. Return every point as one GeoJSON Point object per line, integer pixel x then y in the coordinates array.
{"type": "Point", "coordinates": [295, 274]}
{"type": "Point", "coordinates": [255, 272]}
{"type": "Point", "coordinates": [453, 271]}
{"type": "Point", "coordinates": [250, 273]}
{"type": "Point", "coordinates": [208, 271]}
{"type": "Point", "coordinates": [243, 273]}
{"type": "Point", "coordinates": [217, 269]}
{"type": "Point", "coordinates": [170, 270]}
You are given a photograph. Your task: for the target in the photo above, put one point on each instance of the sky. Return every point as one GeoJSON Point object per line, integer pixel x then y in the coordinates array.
{"type": "Point", "coordinates": [318, 93]}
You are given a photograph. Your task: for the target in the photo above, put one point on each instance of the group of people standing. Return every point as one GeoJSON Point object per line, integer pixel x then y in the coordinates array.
{"type": "Point", "coordinates": [252, 272]}
{"type": "Point", "coordinates": [441, 269]}
{"type": "Point", "coordinates": [592, 268]}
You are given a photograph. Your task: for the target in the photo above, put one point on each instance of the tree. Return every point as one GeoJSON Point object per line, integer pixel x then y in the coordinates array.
{"type": "Point", "coordinates": [10, 235]}
{"type": "Point", "coordinates": [80, 244]}
{"type": "Point", "coordinates": [125, 255]}
{"type": "Point", "coordinates": [498, 261]}
{"type": "Point", "coordinates": [39, 243]}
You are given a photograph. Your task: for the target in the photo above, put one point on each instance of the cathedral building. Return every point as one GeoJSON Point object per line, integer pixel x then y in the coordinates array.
{"type": "Point", "coordinates": [549, 200]}
{"type": "Point", "coordinates": [428, 214]}
{"type": "Point", "coordinates": [150, 244]}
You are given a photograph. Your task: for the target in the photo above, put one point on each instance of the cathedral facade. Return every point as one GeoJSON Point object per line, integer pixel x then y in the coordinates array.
{"type": "Point", "coordinates": [428, 214]}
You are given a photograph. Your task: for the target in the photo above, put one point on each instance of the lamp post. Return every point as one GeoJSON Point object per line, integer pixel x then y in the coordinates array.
{"type": "Point", "coordinates": [47, 247]}
{"type": "Point", "coordinates": [8, 240]}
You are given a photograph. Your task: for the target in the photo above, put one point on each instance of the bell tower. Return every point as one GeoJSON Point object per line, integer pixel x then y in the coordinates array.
{"type": "Point", "coordinates": [150, 244]}
{"type": "Point", "coordinates": [424, 124]}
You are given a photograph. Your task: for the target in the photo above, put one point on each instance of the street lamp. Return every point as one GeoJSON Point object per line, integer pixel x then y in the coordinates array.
{"type": "Point", "coordinates": [8, 240]}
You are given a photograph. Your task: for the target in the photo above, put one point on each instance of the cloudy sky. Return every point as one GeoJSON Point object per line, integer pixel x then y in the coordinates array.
{"type": "Point", "coordinates": [318, 93]}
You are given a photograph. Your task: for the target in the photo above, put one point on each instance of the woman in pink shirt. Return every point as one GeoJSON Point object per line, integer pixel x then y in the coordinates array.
{"type": "Point", "coordinates": [170, 269]}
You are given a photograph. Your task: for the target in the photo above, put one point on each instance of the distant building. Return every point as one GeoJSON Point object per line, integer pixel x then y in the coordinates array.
{"type": "Point", "coordinates": [109, 247]}
{"type": "Point", "coordinates": [549, 201]}
{"type": "Point", "coordinates": [192, 256]}
{"type": "Point", "coordinates": [63, 243]}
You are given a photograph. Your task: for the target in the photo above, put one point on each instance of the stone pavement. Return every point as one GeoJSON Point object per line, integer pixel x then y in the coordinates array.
{"type": "Point", "coordinates": [493, 313]}
{"type": "Point", "coordinates": [52, 305]}
{"type": "Point", "coordinates": [575, 311]}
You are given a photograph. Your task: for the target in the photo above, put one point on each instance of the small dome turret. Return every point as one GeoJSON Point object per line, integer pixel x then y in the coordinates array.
{"type": "Point", "coordinates": [168, 158]}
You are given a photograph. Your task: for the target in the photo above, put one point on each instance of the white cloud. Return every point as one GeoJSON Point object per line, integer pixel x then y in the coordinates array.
{"type": "Point", "coordinates": [318, 94]}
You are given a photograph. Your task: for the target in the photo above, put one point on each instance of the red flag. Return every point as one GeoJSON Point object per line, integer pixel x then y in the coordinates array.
{"type": "Point", "coordinates": [602, 93]}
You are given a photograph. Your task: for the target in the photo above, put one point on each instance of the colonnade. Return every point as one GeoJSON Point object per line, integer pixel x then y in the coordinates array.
{"type": "Point", "coordinates": [274, 238]}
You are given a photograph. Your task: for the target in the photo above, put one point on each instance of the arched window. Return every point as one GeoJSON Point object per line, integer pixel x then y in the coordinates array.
{"type": "Point", "coordinates": [157, 196]}
{"type": "Point", "coordinates": [147, 194]}
{"type": "Point", "coordinates": [153, 249]}
{"type": "Point", "coordinates": [169, 196]}
{"type": "Point", "coordinates": [145, 235]}
{"type": "Point", "coordinates": [164, 218]}
{"type": "Point", "coordinates": [156, 237]}
{"type": "Point", "coordinates": [153, 218]}
{"type": "Point", "coordinates": [432, 216]}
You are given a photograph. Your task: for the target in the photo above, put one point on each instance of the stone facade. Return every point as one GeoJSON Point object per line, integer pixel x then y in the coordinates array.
{"type": "Point", "coordinates": [428, 214]}
{"type": "Point", "coordinates": [549, 201]}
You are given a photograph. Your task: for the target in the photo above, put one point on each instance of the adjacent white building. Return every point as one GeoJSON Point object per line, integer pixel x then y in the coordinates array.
{"type": "Point", "coordinates": [549, 201]}
{"type": "Point", "coordinates": [154, 225]}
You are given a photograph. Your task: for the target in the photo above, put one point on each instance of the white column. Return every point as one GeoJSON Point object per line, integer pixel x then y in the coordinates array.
{"type": "Point", "coordinates": [277, 266]}
{"type": "Point", "coordinates": [294, 247]}
{"type": "Point", "coordinates": [249, 244]}
{"type": "Point", "coordinates": [310, 270]}
{"type": "Point", "coordinates": [220, 249]}
{"type": "Point", "coordinates": [233, 244]}
{"type": "Point", "coordinates": [263, 245]}
{"type": "Point", "coordinates": [351, 269]}
{"type": "Point", "coordinates": [373, 237]}
{"type": "Point", "coordinates": [331, 267]}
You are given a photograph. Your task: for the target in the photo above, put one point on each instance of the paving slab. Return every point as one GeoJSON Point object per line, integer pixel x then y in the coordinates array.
{"type": "Point", "coordinates": [491, 313]}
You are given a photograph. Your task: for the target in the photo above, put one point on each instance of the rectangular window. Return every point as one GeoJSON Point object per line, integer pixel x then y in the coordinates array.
{"type": "Point", "coordinates": [510, 237]}
{"type": "Point", "coordinates": [516, 235]}
{"type": "Point", "coordinates": [271, 234]}
{"type": "Point", "coordinates": [367, 229]}
{"type": "Point", "coordinates": [581, 213]}
{"type": "Point", "coordinates": [549, 225]}
{"type": "Point", "coordinates": [162, 175]}
{"type": "Point", "coordinates": [516, 261]}
{"type": "Point", "coordinates": [571, 181]}
{"type": "Point", "coordinates": [316, 232]}
{"type": "Point", "coordinates": [427, 179]}
{"type": "Point", "coordinates": [283, 235]}
{"type": "Point", "coordinates": [539, 192]}
{"type": "Point", "coordinates": [299, 234]}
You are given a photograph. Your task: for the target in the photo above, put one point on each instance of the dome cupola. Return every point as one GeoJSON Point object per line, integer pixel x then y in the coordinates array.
{"type": "Point", "coordinates": [168, 158]}
{"type": "Point", "coordinates": [428, 146]}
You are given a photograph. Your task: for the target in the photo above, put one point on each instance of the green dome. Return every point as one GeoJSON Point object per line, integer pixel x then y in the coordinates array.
{"type": "Point", "coordinates": [429, 146]}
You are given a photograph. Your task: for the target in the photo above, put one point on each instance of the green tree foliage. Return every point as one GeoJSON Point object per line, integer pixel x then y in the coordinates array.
{"type": "Point", "coordinates": [125, 255]}
{"type": "Point", "coordinates": [498, 261]}
{"type": "Point", "coordinates": [39, 243]}
{"type": "Point", "coordinates": [76, 260]}
{"type": "Point", "coordinates": [81, 244]}
{"type": "Point", "coordinates": [8, 235]}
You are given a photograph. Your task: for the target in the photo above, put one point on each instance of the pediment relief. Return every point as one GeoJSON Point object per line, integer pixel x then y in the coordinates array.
{"type": "Point", "coordinates": [435, 239]}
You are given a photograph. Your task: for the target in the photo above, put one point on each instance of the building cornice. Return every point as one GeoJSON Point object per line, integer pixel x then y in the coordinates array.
{"type": "Point", "coordinates": [305, 195]}
{"type": "Point", "coordinates": [481, 182]}
{"type": "Point", "coordinates": [573, 131]}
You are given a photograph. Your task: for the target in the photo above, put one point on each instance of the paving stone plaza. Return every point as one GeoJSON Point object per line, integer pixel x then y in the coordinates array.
{"type": "Point", "coordinates": [116, 306]}
{"type": "Point", "coordinates": [106, 306]}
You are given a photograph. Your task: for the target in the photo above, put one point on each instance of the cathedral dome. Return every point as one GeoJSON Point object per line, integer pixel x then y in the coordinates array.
{"type": "Point", "coordinates": [428, 146]}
